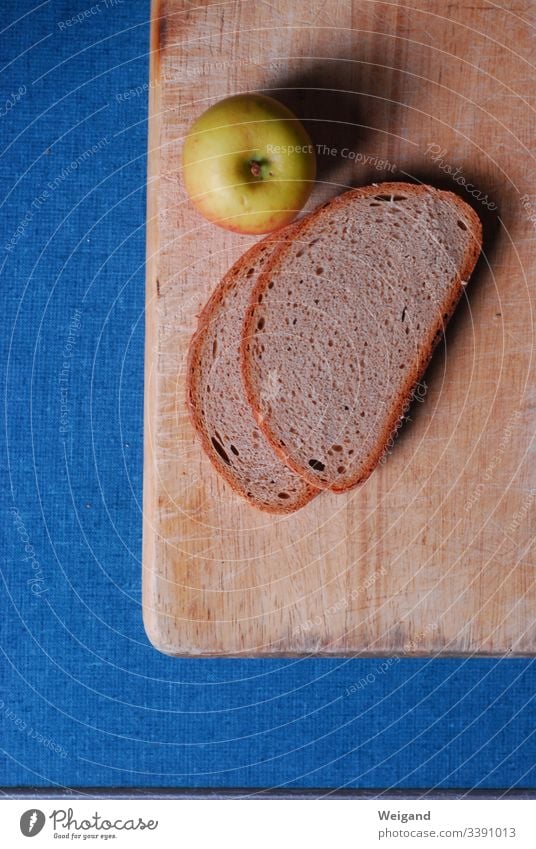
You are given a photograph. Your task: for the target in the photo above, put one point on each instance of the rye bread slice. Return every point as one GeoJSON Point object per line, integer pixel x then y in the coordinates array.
{"type": "Point", "coordinates": [344, 318]}
{"type": "Point", "coordinates": [216, 399]}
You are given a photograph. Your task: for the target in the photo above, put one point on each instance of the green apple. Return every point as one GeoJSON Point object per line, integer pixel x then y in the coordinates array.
{"type": "Point", "coordinates": [248, 164]}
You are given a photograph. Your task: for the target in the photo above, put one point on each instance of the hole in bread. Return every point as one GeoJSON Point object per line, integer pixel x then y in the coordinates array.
{"type": "Point", "coordinates": [251, 272]}
{"type": "Point", "coordinates": [259, 299]}
{"type": "Point", "coordinates": [271, 284]}
{"type": "Point", "coordinates": [319, 270]}
{"type": "Point", "coordinates": [461, 224]}
{"type": "Point", "coordinates": [235, 450]}
{"type": "Point", "coordinates": [214, 347]}
{"type": "Point", "coordinates": [341, 469]}
{"type": "Point", "coordinates": [260, 324]}
{"type": "Point", "coordinates": [300, 253]}
{"type": "Point", "coordinates": [218, 447]}
{"type": "Point", "coordinates": [316, 465]}
{"type": "Point", "coordinates": [283, 495]}
{"type": "Point", "coordinates": [404, 311]}
{"type": "Point", "coordinates": [337, 447]}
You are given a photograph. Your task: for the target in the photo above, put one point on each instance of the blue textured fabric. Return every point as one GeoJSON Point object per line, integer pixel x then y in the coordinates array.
{"type": "Point", "coordinates": [85, 700]}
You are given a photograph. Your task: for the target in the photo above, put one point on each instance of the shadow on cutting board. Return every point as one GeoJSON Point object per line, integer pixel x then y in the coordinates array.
{"type": "Point", "coordinates": [342, 104]}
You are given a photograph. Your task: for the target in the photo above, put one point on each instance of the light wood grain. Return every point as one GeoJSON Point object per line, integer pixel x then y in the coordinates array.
{"type": "Point", "coordinates": [433, 554]}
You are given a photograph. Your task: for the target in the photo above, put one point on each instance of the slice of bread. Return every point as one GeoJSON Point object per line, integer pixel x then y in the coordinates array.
{"type": "Point", "coordinates": [344, 318]}
{"type": "Point", "coordinates": [216, 398]}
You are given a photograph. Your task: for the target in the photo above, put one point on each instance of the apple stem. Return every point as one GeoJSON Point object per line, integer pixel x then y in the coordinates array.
{"type": "Point", "coordinates": [255, 169]}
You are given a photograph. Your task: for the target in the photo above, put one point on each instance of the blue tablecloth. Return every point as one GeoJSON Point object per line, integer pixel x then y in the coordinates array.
{"type": "Point", "coordinates": [85, 700]}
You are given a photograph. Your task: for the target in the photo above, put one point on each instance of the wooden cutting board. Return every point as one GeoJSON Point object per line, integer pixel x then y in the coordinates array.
{"type": "Point", "coordinates": [433, 554]}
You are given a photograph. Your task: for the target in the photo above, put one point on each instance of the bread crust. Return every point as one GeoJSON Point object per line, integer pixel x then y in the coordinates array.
{"type": "Point", "coordinates": [194, 373]}
{"type": "Point", "coordinates": [424, 355]}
